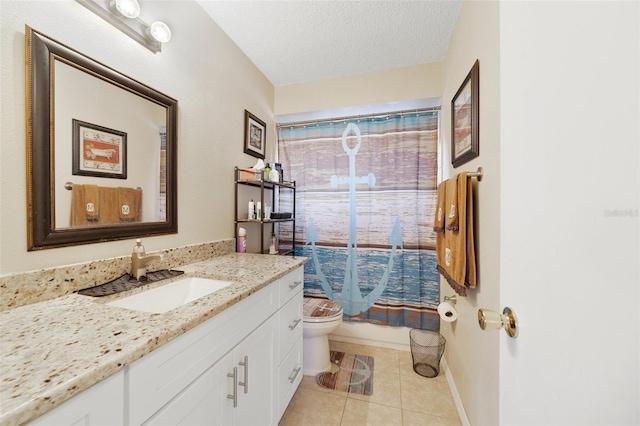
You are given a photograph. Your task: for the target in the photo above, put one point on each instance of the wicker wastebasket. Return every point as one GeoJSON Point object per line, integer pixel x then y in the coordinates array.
{"type": "Point", "coordinates": [427, 348]}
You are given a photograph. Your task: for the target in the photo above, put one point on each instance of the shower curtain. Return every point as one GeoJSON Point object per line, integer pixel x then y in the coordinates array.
{"type": "Point", "coordinates": [365, 200]}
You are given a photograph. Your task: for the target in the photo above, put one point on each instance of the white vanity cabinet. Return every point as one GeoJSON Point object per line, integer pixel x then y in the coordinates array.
{"type": "Point", "coordinates": [240, 367]}
{"type": "Point", "coordinates": [156, 379]}
{"type": "Point", "coordinates": [237, 390]}
{"type": "Point", "coordinates": [101, 404]}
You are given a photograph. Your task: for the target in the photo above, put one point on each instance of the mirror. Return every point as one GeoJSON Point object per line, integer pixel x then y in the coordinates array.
{"type": "Point", "coordinates": [90, 126]}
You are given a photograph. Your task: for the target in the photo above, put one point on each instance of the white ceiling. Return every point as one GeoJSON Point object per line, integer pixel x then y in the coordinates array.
{"type": "Point", "coordinates": [294, 41]}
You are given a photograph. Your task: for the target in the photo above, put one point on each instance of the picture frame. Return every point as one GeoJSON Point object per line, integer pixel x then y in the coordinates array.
{"type": "Point", "coordinates": [98, 151]}
{"type": "Point", "coordinates": [465, 119]}
{"type": "Point", "coordinates": [255, 133]}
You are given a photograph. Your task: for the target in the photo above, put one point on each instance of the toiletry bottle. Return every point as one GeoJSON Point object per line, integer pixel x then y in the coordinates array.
{"type": "Point", "coordinates": [259, 210]}
{"type": "Point", "coordinates": [274, 176]}
{"type": "Point", "coordinates": [242, 240]}
{"type": "Point", "coordinates": [265, 174]}
{"type": "Point", "coordinates": [139, 248]}
{"type": "Point", "coordinates": [273, 248]}
{"type": "Point", "coordinates": [251, 210]}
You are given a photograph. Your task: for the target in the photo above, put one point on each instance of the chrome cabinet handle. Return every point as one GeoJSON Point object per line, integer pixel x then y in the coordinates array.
{"type": "Point", "coordinates": [245, 364]}
{"type": "Point", "coordinates": [295, 324]}
{"type": "Point", "coordinates": [294, 285]}
{"type": "Point", "coordinates": [292, 377]}
{"type": "Point", "coordinates": [234, 396]}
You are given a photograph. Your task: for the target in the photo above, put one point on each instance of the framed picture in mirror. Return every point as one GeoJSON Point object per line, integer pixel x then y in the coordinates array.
{"type": "Point", "coordinates": [465, 119]}
{"type": "Point", "coordinates": [255, 132]}
{"type": "Point", "coordinates": [99, 151]}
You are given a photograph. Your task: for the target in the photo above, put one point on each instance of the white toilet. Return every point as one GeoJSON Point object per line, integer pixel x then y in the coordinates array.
{"type": "Point", "coordinates": [320, 317]}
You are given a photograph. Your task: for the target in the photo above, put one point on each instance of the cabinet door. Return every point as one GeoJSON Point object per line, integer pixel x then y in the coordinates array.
{"type": "Point", "coordinates": [101, 404]}
{"type": "Point", "coordinates": [204, 402]}
{"type": "Point", "coordinates": [255, 359]}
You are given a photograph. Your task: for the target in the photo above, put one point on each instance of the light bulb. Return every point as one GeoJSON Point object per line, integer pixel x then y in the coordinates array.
{"type": "Point", "coordinates": [160, 31]}
{"type": "Point", "coordinates": [127, 8]}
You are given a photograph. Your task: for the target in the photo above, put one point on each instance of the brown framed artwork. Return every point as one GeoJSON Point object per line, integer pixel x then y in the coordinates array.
{"type": "Point", "coordinates": [98, 151]}
{"type": "Point", "coordinates": [255, 132]}
{"type": "Point", "coordinates": [465, 118]}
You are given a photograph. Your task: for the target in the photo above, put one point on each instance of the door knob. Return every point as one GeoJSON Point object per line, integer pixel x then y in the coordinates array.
{"type": "Point", "coordinates": [490, 320]}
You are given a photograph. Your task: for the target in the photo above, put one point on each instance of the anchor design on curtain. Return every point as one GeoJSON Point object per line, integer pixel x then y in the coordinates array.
{"type": "Point", "coordinates": [351, 299]}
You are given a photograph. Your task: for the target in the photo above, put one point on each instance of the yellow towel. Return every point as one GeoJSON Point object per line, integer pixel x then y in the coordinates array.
{"type": "Point", "coordinates": [127, 204]}
{"type": "Point", "coordinates": [471, 277]}
{"type": "Point", "coordinates": [456, 248]}
{"type": "Point", "coordinates": [78, 217]}
{"type": "Point", "coordinates": [92, 202]}
{"type": "Point", "coordinates": [438, 222]}
{"type": "Point", "coordinates": [110, 205]}
{"type": "Point", "coordinates": [451, 204]}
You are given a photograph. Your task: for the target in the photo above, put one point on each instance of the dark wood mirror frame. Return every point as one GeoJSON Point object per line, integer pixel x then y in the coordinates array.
{"type": "Point", "coordinates": [41, 51]}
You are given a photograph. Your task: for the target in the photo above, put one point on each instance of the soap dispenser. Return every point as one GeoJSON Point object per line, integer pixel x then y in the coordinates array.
{"type": "Point", "coordinates": [139, 248]}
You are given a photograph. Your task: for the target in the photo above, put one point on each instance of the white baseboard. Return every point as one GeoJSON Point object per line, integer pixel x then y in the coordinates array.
{"type": "Point", "coordinates": [454, 392]}
{"type": "Point", "coordinates": [363, 333]}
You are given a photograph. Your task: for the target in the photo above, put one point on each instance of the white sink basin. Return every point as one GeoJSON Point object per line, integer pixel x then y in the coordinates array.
{"type": "Point", "coordinates": [170, 296]}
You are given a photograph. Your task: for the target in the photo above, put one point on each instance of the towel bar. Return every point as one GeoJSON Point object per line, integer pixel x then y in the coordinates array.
{"type": "Point", "coordinates": [69, 186]}
{"type": "Point", "coordinates": [477, 174]}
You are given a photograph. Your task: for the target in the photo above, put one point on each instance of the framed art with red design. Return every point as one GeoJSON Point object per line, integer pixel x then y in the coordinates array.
{"type": "Point", "coordinates": [99, 151]}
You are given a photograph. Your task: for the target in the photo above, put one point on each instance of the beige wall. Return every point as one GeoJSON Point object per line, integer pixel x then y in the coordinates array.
{"type": "Point", "coordinates": [214, 83]}
{"type": "Point", "coordinates": [402, 84]}
{"type": "Point", "coordinates": [472, 355]}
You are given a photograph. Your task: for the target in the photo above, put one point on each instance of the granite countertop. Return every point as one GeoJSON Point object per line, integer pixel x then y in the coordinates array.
{"type": "Point", "coordinates": [51, 351]}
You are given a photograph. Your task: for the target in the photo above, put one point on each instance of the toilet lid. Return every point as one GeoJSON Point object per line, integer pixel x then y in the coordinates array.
{"type": "Point", "coordinates": [320, 310]}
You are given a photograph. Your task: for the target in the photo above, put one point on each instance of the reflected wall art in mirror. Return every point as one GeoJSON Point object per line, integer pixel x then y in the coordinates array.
{"type": "Point", "coordinates": [102, 151]}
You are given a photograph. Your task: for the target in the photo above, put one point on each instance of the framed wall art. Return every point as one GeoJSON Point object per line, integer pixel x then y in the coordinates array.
{"type": "Point", "coordinates": [98, 151]}
{"type": "Point", "coordinates": [465, 117]}
{"type": "Point", "coordinates": [255, 132]}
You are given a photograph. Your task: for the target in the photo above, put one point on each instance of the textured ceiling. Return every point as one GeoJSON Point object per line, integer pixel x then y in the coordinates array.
{"type": "Point", "coordinates": [303, 40]}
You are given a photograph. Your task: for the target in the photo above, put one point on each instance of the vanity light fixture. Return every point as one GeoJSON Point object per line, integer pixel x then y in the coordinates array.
{"type": "Point", "coordinates": [159, 31]}
{"type": "Point", "coordinates": [123, 14]}
{"type": "Point", "coordinates": [127, 8]}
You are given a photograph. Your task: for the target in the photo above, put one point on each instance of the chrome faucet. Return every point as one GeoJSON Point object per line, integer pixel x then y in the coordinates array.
{"type": "Point", "coordinates": [139, 260]}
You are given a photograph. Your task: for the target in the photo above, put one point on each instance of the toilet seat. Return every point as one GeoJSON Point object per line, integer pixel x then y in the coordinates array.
{"type": "Point", "coordinates": [320, 310]}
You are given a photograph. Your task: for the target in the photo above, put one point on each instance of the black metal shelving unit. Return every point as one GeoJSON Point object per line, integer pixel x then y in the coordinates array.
{"type": "Point", "coordinates": [266, 187]}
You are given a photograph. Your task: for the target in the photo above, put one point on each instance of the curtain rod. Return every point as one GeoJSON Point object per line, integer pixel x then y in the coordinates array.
{"type": "Point", "coordinates": [355, 117]}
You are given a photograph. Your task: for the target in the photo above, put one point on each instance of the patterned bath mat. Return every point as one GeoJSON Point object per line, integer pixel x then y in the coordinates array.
{"type": "Point", "coordinates": [354, 374]}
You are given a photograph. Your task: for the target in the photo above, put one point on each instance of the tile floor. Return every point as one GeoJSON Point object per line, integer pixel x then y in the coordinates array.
{"type": "Point", "coordinates": [400, 396]}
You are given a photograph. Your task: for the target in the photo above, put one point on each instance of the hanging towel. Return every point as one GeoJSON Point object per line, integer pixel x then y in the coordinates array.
{"type": "Point", "coordinates": [471, 277]}
{"type": "Point", "coordinates": [110, 208]}
{"type": "Point", "coordinates": [78, 208]}
{"type": "Point", "coordinates": [456, 248]}
{"type": "Point", "coordinates": [127, 204]}
{"type": "Point", "coordinates": [438, 223]}
{"type": "Point", "coordinates": [92, 202]}
{"type": "Point", "coordinates": [452, 216]}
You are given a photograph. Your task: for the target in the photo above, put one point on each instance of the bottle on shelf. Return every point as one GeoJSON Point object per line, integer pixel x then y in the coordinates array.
{"type": "Point", "coordinates": [242, 240]}
{"type": "Point", "coordinates": [252, 210]}
{"type": "Point", "coordinates": [273, 248]}
{"type": "Point", "coordinates": [274, 176]}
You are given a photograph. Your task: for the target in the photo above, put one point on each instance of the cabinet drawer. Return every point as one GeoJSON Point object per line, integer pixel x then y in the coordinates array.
{"type": "Point", "coordinates": [159, 376]}
{"type": "Point", "coordinates": [290, 285]}
{"type": "Point", "coordinates": [290, 324]}
{"type": "Point", "coordinates": [289, 376]}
